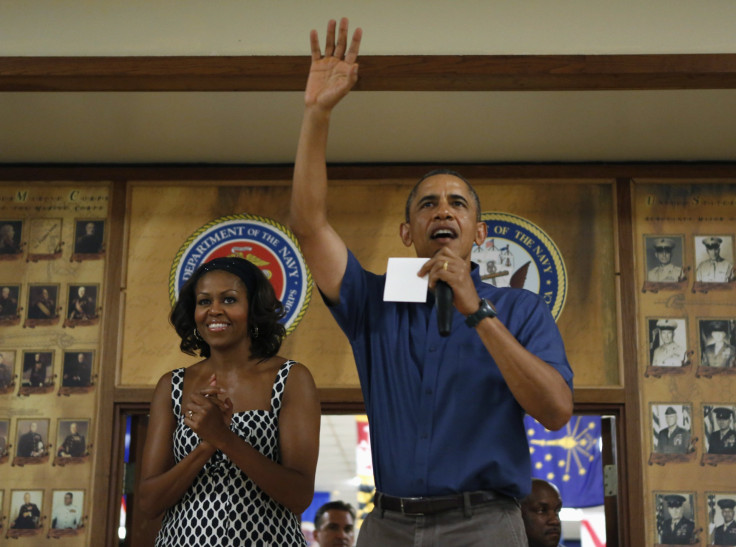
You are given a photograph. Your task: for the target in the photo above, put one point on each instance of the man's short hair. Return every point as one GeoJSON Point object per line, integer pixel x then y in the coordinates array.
{"type": "Point", "coordinates": [434, 172]}
{"type": "Point", "coordinates": [332, 506]}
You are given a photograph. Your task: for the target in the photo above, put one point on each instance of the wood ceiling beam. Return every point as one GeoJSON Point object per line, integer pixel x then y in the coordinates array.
{"type": "Point", "coordinates": [377, 73]}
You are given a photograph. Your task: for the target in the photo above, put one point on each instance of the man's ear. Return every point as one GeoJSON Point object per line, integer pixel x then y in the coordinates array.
{"type": "Point", "coordinates": [405, 233]}
{"type": "Point", "coordinates": [481, 232]}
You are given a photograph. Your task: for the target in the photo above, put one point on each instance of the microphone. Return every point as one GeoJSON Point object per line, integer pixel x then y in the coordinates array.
{"type": "Point", "coordinates": [443, 302]}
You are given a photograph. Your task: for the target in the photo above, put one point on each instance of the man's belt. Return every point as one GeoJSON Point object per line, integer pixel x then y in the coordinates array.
{"type": "Point", "coordinates": [435, 504]}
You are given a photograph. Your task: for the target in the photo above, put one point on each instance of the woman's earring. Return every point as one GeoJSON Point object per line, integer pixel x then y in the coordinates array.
{"type": "Point", "coordinates": [197, 335]}
{"type": "Point", "coordinates": [254, 331]}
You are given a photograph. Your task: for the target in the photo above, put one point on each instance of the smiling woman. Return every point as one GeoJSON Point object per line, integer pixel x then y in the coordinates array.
{"type": "Point", "coordinates": [237, 456]}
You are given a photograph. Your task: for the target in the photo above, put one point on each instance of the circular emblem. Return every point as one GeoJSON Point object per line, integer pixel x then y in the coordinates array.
{"type": "Point", "coordinates": [519, 254]}
{"type": "Point", "coordinates": [266, 243]}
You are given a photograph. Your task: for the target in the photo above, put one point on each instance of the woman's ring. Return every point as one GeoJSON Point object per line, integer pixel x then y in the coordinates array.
{"type": "Point", "coordinates": [444, 266]}
{"type": "Point", "coordinates": [190, 414]}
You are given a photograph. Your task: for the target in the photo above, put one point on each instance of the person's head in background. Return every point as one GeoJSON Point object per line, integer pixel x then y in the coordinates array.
{"type": "Point", "coordinates": [541, 513]}
{"type": "Point", "coordinates": [334, 524]}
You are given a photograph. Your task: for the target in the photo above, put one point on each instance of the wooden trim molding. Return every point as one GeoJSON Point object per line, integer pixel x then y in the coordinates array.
{"type": "Point", "coordinates": [382, 173]}
{"type": "Point", "coordinates": [377, 73]}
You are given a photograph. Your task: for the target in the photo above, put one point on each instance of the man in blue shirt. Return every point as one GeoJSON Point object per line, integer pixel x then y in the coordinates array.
{"type": "Point", "coordinates": [450, 454]}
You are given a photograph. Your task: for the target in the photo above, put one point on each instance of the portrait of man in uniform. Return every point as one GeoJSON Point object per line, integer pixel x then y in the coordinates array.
{"type": "Point", "coordinates": [667, 342]}
{"type": "Point", "coordinates": [664, 259]}
{"type": "Point", "coordinates": [32, 435]}
{"type": "Point", "coordinates": [82, 302]}
{"type": "Point", "coordinates": [4, 429]}
{"type": "Point", "coordinates": [721, 439]}
{"type": "Point", "coordinates": [10, 233]}
{"type": "Point", "coordinates": [77, 369]}
{"type": "Point", "coordinates": [88, 236]}
{"type": "Point", "coordinates": [675, 525]}
{"type": "Point", "coordinates": [66, 509]}
{"type": "Point", "coordinates": [9, 295]}
{"type": "Point", "coordinates": [25, 509]}
{"type": "Point", "coordinates": [7, 365]}
{"type": "Point", "coordinates": [37, 368]}
{"type": "Point", "coordinates": [717, 349]}
{"type": "Point", "coordinates": [73, 433]}
{"type": "Point", "coordinates": [714, 256]}
{"type": "Point", "coordinates": [671, 434]}
{"type": "Point", "coordinates": [42, 301]}
{"type": "Point", "coordinates": [724, 532]}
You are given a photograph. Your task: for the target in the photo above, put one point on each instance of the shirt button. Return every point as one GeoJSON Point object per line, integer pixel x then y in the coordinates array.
{"type": "Point", "coordinates": [428, 391]}
{"type": "Point", "coordinates": [423, 436]}
{"type": "Point", "coordinates": [432, 349]}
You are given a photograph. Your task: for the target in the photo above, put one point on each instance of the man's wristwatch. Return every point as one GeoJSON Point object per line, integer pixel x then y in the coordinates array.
{"type": "Point", "coordinates": [485, 310]}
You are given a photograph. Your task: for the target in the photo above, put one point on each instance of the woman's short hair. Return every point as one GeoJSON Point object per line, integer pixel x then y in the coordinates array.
{"type": "Point", "coordinates": [264, 309]}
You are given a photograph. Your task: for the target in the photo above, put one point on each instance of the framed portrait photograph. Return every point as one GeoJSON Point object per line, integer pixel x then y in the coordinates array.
{"type": "Point", "coordinates": [667, 343]}
{"type": "Point", "coordinates": [719, 429]}
{"type": "Point", "coordinates": [77, 368]}
{"type": "Point", "coordinates": [11, 233]}
{"type": "Point", "coordinates": [675, 518]}
{"type": "Point", "coordinates": [32, 439]}
{"type": "Point", "coordinates": [4, 436]}
{"type": "Point", "coordinates": [67, 511]}
{"type": "Point", "coordinates": [25, 512]}
{"type": "Point", "coordinates": [82, 303]}
{"type": "Point", "coordinates": [44, 239]}
{"type": "Point", "coordinates": [43, 302]}
{"type": "Point", "coordinates": [720, 510]}
{"type": "Point", "coordinates": [9, 303]}
{"type": "Point", "coordinates": [71, 438]}
{"type": "Point", "coordinates": [664, 258]}
{"type": "Point", "coordinates": [714, 258]}
{"type": "Point", "coordinates": [671, 432]}
{"type": "Point", "coordinates": [718, 344]}
{"type": "Point", "coordinates": [7, 371]}
{"type": "Point", "coordinates": [89, 237]}
{"type": "Point", "coordinates": [38, 369]}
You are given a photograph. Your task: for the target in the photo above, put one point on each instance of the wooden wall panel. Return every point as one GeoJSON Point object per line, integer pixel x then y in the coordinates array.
{"type": "Point", "coordinates": [578, 217]}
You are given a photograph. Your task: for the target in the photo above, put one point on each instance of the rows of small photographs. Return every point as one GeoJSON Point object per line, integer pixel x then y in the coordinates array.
{"type": "Point", "coordinates": [33, 443]}
{"type": "Point", "coordinates": [27, 513]}
{"type": "Point", "coordinates": [677, 523]}
{"type": "Point", "coordinates": [714, 259]}
{"type": "Point", "coordinates": [37, 372]}
{"type": "Point", "coordinates": [43, 308]}
{"type": "Point", "coordinates": [673, 439]}
{"type": "Point", "coordinates": [41, 239]}
{"type": "Point", "coordinates": [672, 430]}
{"type": "Point", "coordinates": [669, 346]}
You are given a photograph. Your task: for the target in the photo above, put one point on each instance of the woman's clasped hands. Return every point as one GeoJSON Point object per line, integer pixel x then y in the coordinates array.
{"type": "Point", "coordinates": [209, 411]}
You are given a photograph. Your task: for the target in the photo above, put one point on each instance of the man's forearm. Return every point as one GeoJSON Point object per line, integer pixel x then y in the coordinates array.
{"type": "Point", "coordinates": [309, 189]}
{"type": "Point", "coordinates": [540, 390]}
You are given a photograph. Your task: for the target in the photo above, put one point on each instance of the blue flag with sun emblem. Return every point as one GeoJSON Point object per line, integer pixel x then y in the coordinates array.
{"type": "Point", "coordinates": [569, 458]}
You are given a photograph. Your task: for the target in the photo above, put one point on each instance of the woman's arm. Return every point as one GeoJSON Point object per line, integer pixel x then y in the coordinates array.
{"type": "Point", "coordinates": [290, 482]}
{"type": "Point", "coordinates": [162, 482]}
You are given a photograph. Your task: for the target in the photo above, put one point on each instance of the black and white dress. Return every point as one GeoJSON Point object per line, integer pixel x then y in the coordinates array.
{"type": "Point", "coordinates": [223, 507]}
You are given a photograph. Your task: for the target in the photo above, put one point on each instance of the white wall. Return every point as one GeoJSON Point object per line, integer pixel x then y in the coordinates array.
{"type": "Point", "coordinates": [279, 27]}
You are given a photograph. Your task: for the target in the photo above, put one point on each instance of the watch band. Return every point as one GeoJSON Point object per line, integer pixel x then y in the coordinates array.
{"type": "Point", "coordinates": [485, 310]}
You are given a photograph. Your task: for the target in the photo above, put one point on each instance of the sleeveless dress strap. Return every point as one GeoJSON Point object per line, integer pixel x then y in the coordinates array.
{"type": "Point", "coordinates": [279, 385]}
{"type": "Point", "coordinates": [177, 390]}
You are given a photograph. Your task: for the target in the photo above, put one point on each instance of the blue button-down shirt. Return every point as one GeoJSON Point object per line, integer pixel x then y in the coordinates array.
{"type": "Point", "coordinates": [442, 419]}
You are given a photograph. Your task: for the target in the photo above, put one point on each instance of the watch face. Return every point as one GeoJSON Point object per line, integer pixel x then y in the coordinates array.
{"type": "Point", "coordinates": [485, 310]}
